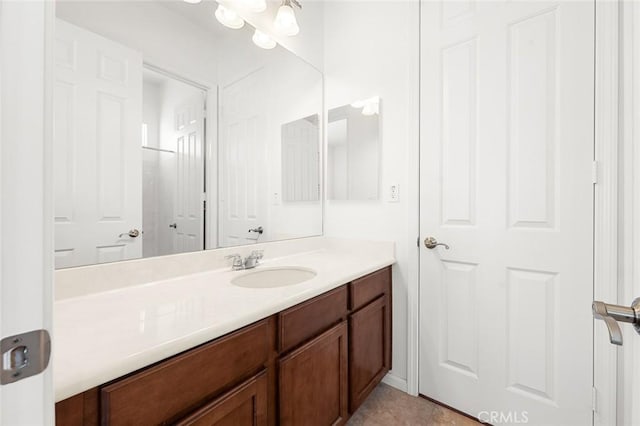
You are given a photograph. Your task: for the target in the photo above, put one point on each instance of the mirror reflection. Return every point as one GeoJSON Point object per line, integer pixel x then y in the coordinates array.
{"type": "Point", "coordinates": [173, 116]}
{"type": "Point", "coordinates": [175, 134]}
{"type": "Point", "coordinates": [353, 151]}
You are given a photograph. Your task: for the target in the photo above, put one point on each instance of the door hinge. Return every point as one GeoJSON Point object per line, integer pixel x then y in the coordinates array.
{"type": "Point", "coordinates": [594, 399]}
{"type": "Point", "coordinates": [594, 172]}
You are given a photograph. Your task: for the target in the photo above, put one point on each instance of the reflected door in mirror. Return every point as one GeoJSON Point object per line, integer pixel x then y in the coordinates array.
{"type": "Point", "coordinates": [173, 188]}
{"type": "Point", "coordinates": [97, 159]}
{"type": "Point", "coordinates": [189, 230]}
{"type": "Point", "coordinates": [243, 179]}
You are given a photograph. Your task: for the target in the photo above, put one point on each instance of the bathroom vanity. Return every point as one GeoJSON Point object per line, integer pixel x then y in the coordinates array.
{"type": "Point", "coordinates": [313, 362]}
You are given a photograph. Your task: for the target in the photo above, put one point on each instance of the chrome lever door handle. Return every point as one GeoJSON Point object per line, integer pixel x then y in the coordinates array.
{"type": "Point", "coordinates": [600, 312]}
{"type": "Point", "coordinates": [431, 243]}
{"type": "Point", "coordinates": [612, 314]}
{"type": "Point", "coordinates": [132, 234]}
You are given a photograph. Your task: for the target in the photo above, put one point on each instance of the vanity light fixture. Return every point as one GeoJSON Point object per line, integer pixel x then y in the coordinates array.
{"type": "Point", "coordinates": [263, 40]}
{"type": "Point", "coordinates": [255, 6]}
{"type": "Point", "coordinates": [370, 106]}
{"type": "Point", "coordinates": [285, 22]}
{"type": "Point", "coordinates": [192, 1]}
{"type": "Point", "coordinates": [229, 18]}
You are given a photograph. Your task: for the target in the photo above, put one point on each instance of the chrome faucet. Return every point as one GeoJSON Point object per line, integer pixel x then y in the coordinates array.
{"type": "Point", "coordinates": [249, 262]}
{"type": "Point", "coordinates": [253, 259]}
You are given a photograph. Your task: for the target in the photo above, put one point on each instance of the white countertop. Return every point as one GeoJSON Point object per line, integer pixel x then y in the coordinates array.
{"type": "Point", "coordinates": [103, 335]}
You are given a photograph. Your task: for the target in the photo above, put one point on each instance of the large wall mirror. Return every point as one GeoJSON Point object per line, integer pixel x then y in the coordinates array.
{"type": "Point", "coordinates": [174, 134]}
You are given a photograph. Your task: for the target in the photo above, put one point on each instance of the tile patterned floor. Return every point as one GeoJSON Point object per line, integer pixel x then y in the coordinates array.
{"type": "Point", "coordinates": [387, 406]}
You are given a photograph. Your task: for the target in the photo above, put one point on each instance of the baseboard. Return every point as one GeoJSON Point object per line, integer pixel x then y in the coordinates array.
{"type": "Point", "coordinates": [395, 381]}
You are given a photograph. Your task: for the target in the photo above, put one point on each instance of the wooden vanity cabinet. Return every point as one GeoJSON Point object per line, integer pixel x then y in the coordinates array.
{"type": "Point", "coordinates": [308, 319]}
{"type": "Point", "coordinates": [171, 389]}
{"type": "Point", "coordinates": [220, 380]}
{"type": "Point", "coordinates": [311, 364]}
{"type": "Point", "coordinates": [313, 381]}
{"type": "Point", "coordinates": [369, 334]}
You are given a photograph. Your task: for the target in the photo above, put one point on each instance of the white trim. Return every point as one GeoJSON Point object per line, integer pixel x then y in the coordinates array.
{"type": "Point", "coordinates": [395, 382]}
{"type": "Point", "coordinates": [606, 203]}
{"type": "Point", "coordinates": [48, 241]}
{"type": "Point", "coordinates": [413, 273]}
{"type": "Point", "coordinates": [629, 232]}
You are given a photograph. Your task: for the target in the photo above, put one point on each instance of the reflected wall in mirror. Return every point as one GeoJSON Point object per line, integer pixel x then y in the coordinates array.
{"type": "Point", "coordinates": [173, 134]}
{"type": "Point", "coordinates": [261, 118]}
{"type": "Point", "coordinates": [301, 160]}
{"type": "Point", "coordinates": [353, 151]}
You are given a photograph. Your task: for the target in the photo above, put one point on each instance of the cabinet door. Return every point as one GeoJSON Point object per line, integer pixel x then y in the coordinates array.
{"type": "Point", "coordinates": [244, 405]}
{"type": "Point", "coordinates": [369, 349]}
{"type": "Point", "coordinates": [313, 381]}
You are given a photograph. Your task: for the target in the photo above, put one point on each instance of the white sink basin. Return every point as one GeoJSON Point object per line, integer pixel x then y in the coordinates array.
{"type": "Point", "coordinates": [274, 277]}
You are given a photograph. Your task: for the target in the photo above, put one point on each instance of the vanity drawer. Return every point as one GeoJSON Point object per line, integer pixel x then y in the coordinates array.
{"type": "Point", "coordinates": [174, 387]}
{"type": "Point", "coordinates": [308, 319]}
{"type": "Point", "coordinates": [244, 405]}
{"type": "Point", "coordinates": [368, 288]}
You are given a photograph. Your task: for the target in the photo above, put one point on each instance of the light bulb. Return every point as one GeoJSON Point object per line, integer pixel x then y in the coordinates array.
{"type": "Point", "coordinates": [229, 18]}
{"type": "Point", "coordinates": [285, 22]}
{"type": "Point", "coordinates": [255, 6]}
{"type": "Point", "coordinates": [192, 1]}
{"type": "Point", "coordinates": [263, 40]}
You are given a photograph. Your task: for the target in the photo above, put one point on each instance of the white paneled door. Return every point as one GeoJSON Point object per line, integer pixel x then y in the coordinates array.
{"type": "Point", "coordinates": [189, 129]}
{"type": "Point", "coordinates": [506, 181]}
{"type": "Point", "coordinates": [26, 221]}
{"type": "Point", "coordinates": [243, 146]}
{"type": "Point", "coordinates": [97, 148]}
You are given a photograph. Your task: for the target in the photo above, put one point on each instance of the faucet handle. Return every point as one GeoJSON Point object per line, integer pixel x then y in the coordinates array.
{"type": "Point", "coordinates": [258, 254]}
{"type": "Point", "coordinates": [237, 261]}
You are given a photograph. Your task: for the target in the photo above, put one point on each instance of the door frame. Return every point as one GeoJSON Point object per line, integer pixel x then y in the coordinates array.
{"type": "Point", "coordinates": [606, 204]}
{"type": "Point", "coordinates": [606, 220]}
{"type": "Point", "coordinates": [628, 368]}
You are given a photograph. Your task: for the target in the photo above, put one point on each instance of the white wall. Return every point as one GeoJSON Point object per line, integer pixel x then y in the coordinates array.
{"type": "Point", "coordinates": [164, 38]}
{"type": "Point", "coordinates": [371, 48]}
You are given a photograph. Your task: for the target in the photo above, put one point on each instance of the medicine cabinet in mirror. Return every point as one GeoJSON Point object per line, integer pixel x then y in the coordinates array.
{"type": "Point", "coordinates": [173, 134]}
{"type": "Point", "coordinates": [353, 151]}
